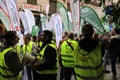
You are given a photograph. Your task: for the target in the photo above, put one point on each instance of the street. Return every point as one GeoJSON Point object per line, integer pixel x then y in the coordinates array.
{"type": "Point", "coordinates": [108, 76]}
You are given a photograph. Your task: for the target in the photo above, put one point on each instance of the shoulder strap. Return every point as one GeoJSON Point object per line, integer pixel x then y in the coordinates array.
{"type": "Point", "coordinates": [70, 45]}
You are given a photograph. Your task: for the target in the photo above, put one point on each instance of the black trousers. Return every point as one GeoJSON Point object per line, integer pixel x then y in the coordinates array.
{"type": "Point", "coordinates": [68, 72]}
{"type": "Point", "coordinates": [44, 76]}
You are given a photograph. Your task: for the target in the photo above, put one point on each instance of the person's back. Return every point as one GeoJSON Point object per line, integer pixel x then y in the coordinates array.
{"type": "Point", "coordinates": [114, 47]}
{"type": "Point", "coordinates": [68, 48]}
{"type": "Point", "coordinates": [114, 50]}
{"type": "Point", "coordinates": [88, 58]}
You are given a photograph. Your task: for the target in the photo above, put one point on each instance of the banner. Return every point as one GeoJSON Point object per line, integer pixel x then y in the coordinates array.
{"type": "Point", "coordinates": [50, 25]}
{"type": "Point", "coordinates": [43, 21]}
{"type": "Point", "coordinates": [24, 21]}
{"type": "Point", "coordinates": [75, 11]}
{"type": "Point", "coordinates": [30, 18]}
{"type": "Point", "coordinates": [63, 12]}
{"type": "Point", "coordinates": [57, 21]}
{"type": "Point", "coordinates": [13, 13]}
{"type": "Point", "coordinates": [5, 20]}
{"type": "Point", "coordinates": [90, 16]}
{"type": "Point", "coordinates": [35, 30]}
{"type": "Point", "coordinates": [2, 5]}
{"type": "Point", "coordinates": [70, 22]}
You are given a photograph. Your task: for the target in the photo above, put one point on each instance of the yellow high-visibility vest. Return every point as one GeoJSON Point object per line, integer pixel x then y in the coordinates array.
{"type": "Point", "coordinates": [67, 52]}
{"type": "Point", "coordinates": [5, 73]}
{"type": "Point", "coordinates": [88, 66]}
{"type": "Point", "coordinates": [49, 71]}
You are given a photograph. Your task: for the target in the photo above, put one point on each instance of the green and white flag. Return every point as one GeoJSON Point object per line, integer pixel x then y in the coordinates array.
{"type": "Point", "coordinates": [35, 30]}
{"type": "Point", "coordinates": [90, 16]}
{"type": "Point", "coordinates": [43, 21]}
{"type": "Point", "coordinates": [63, 12]}
{"type": "Point", "coordinates": [70, 22]}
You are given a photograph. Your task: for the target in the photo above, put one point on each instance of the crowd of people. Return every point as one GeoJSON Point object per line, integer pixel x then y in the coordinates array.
{"type": "Point", "coordinates": [39, 58]}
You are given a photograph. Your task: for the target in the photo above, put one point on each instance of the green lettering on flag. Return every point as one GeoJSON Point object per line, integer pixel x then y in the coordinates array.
{"type": "Point", "coordinates": [90, 16]}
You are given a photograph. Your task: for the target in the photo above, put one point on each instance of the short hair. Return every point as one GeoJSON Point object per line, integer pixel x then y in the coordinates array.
{"type": "Point", "coordinates": [28, 36]}
{"type": "Point", "coordinates": [87, 29]}
{"type": "Point", "coordinates": [48, 33]}
{"type": "Point", "coordinates": [117, 30]}
{"type": "Point", "coordinates": [71, 35]}
{"type": "Point", "coordinates": [9, 35]}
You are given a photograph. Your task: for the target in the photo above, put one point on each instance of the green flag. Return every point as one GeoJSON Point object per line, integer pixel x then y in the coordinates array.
{"type": "Point", "coordinates": [63, 12]}
{"type": "Point", "coordinates": [43, 21]}
{"type": "Point", "coordinates": [35, 30]}
{"type": "Point", "coordinates": [90, 16]}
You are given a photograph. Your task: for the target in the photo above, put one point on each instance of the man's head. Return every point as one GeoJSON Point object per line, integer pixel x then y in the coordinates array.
{"type": "Point", "coordinates": [71, 35]}
{"type": "Point", "coordinates": [117, 31]}
{"type": "Point", "coordinates": [87, 30]}
{"type": "Point", "coordinates": [46, 36]}
{"type": "Point", "coordinates": [11, 38]}
{"type": "Point", "coordinates": [27, 38]}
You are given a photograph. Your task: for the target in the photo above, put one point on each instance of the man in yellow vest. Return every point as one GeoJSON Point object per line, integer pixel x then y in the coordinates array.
{"type": "Point", "coordinates": [67, 50]}
{"type": "Point", "coordinates": [10, 65]}
{"type": "Point", "coordinates": [88, 57]}
{"type": "Point", "coordinates": [47, 69]}
{"type": "Point", "coordinates": [29, 47]}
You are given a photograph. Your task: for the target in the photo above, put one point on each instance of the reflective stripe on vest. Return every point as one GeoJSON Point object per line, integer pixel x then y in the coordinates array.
{"type": "Point", "coordinates": [5, 73]}
{"type": "Point", "coordinates": [67, 53]}
{"type": "Point", "coordinates": [52, 70]}
{"type": "Point", "coordinates": [88, 66]}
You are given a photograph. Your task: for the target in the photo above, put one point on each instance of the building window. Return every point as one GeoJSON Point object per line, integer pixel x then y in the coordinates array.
{"type": "Point", "coordinates": [32, 1]}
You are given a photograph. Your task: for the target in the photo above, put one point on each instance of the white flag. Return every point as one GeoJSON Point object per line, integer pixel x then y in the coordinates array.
{"type": "Point", "coordinates": [30, 18]}
{"type": "Point", "coordinates": [75, 11]}
{"type": "Point", "coordinates": [57, 21]}
{"type": "Point", "coordinates": [2, 5]}
{"type": "Point", "coordinates": [13, 13]}
{"type": "Point", "coordinates": [24, 21]}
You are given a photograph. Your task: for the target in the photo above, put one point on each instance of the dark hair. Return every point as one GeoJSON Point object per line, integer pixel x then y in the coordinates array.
{"type": "Point", "coordinates": [34, 38]}
{"type": "Point", "coordinates": [117, 30]}
{"type": "Point", "coordinates": [71, 35]}
{"type": "Point", "coordinates": [28, 36]}
{"type": "Point", "coordinates": [48, 33]}
{"type": "Point", "coordinates": [87, 30]}
{"type": "Point", "coordinates": [9, 37]}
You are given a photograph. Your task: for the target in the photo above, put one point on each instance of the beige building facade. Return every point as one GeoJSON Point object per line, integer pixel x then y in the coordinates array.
{"type": "Point", "coordinates": [39, 6]}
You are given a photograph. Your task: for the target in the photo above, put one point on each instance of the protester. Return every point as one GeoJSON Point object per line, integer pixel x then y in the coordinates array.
{"type": "Point", "coordinates": [67, 50]}
{"type": "Point", "coordinates": [47, 69]}
{"type": "Point", "coordinates": [29, 47]}
{"type": "Point", "coordinates": [88, 57]}
{"type": "Point", "coordinates": [105, 39]}
{"type": "Point", "coordinates": [64, 38]}
{"type": "Point", "coordinates": [9, 60]}
{"type": "Point", "coordinates": [114, 50]}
